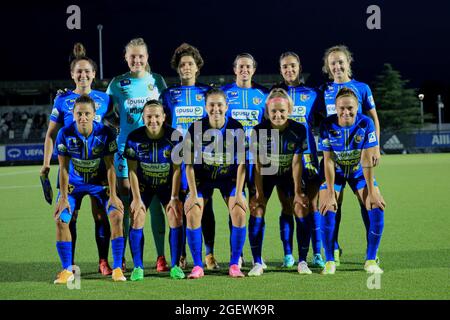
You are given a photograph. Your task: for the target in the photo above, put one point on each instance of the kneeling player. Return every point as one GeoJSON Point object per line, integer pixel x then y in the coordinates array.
{"type": "Point", "coordinates": [349, 144]}
{"type": "Point", "coordinates": [86, 166]}
{"type": "Point", "coordinates": [152, 173]}
{"type": "Point", "coordinates": [286, 164]}
{"type": "Point", "coordinates": [216, 166]}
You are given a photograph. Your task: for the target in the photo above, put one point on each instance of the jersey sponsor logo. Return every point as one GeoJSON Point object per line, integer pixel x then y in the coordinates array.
{"type": "Point", "coordinates": [125, 82]}
{"type": "Point", "coordinates": [199, 97]}
{"type": "Point", "coordinates": [257, 100]}
{"type": "Point", "coordinates": [331, 109]}
{"type": "Point", "coordinates": [330, 88]}
{"type": "Point", "coordinates": [304, 97]}
{"type": "Point", "coordinates": [372, 137]}
{"type": "Point", "coordinates": [137, 102]}
{"type": "Point", "coordinates": [232, 95]}
{"type": "Point", "coordinates": [142, 147]}
{"type": "Point", "coordinates": [299, 111]}
{"type": "Point", "coordinates": [175, 93]}
{"type": "Point", "coordinates": [130, 152]}
{"type": "Point", "coordinates": [188, 111]}
{"type": "Point", "coordinates": [166, 154]}
{"type": "Point", "coordinates": [62, 148]}
{"type": "Point", "coordinates": [244, 114]}
{"type": "Point", "coordinates": [86, 166]}
{"type": "Point", "coordinates": [73, 144]}
{"type": "Point", "coordinates": [335, 133]}
{"type": "Point", "coordinates": [358, 138]}
{"type": "Point", "coordinates": [55, 113]}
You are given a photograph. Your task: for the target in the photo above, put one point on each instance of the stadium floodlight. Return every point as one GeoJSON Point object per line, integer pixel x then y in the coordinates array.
{"type": "Point", "coordinates": [100, 27]}
{"type": "Point", "coordinates": [421, 97]}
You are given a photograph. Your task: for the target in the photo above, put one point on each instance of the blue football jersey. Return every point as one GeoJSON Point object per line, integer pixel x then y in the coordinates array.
{"type": "Point", "coordinates": [362, 90]}
{"type": "Point", "coordinates": [86, 154]}
{"type": "Point", "coordinates": [346, 143]}
{"type": "Point", "coordinates": [291, 141]}
{"type": "Point", "coordinates": [155, 166]}
{"type": "Point", "coordinates": [246, 105]}
{"type": "Point", "coordinates": [215, 159]}
{"type": "Point", "coordinates": [129, 95]}
{"type": "Point", "coordinates": [62, 112]}
{"type": "Point", "coordinates": [184, 104]}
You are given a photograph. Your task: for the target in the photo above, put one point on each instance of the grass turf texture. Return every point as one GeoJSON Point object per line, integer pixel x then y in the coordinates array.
{"type": "Point", "coordinates": [415, 248]}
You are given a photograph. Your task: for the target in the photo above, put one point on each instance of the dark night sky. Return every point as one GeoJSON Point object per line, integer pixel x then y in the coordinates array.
{"type": "Point", "coordinates": [415, 38]}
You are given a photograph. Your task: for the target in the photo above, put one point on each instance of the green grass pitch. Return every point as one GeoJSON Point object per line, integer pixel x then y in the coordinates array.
{"type": "Point", "coordinates": [415, 248]}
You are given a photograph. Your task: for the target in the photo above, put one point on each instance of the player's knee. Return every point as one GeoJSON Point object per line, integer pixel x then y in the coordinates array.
{"type": "Point", "coordinates": [138, 219]}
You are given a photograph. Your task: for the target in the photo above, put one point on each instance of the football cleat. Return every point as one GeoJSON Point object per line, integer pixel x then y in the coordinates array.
{"type": "Point", "coordinates": [371, 266]}
{"type": "Point", "coordinates": [177, 273]}
{"type": "Point", "coordinates": [337, 256]}
{"type": "Point", "coordinates": [104, 268]}
{"type": "Point", "coordinates": [318, 261]}
{"type": "Point", "coordinates": [117, 275]}
{"type": "Point", "coordinates": [288, 261]}
{"type": "Point", "coordinates": [211, 262]}
{"type": "Point", "coordinates": [161, 264]}
{"type": "Point", "coordinates": [302, 268]}
{"type": "Point", "coordinates": [235, 271]}
{"type": "Point", "coordinates": [264, 265]}
{"type": "Point", "coordinates": [330, 268]}
{"type": "Point", "coordinates": [64, 276]}
{"type": "Point", "coordinates": [137, 274]}
{"type": "Point", "coordinates": [257, 270]}
{"type": "Point", "coordinates": [196, 273]}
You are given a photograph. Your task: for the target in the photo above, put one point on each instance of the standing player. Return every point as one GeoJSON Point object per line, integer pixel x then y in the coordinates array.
{"type": "Point", "coordinates": [82, 70]}
{"type": "Point", "coordinates": [245, 101]}
{"type": "Point", "coordinates": [337, 62]}
{"type": "Point", "coordinates": [129, 92]}
{"type": "Point", "coordinates": [349, 143]}
{"type": "Point", "coordinates": [305, 105]}
{"type": "Point", "coordinates": [184, 103]}
{"type": "Point", "coordinates": [287, 160]}
{"type": "Point", "coordinates": [218, 167]}
{"type": "Point", "coordinates": [85, 153]}
{"type": "Point", "coordinates": [152, 172]}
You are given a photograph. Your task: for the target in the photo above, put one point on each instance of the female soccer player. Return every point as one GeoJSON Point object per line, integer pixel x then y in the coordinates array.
{"type": "Point", "coordinates": [85, 151]}
{"type": "Point", "coordinates": [129, 92]}
{"type": "Point", "coordinates": [152, 172]}
{"type": "Point", "coordinates": [184, 103]}
{"type": "Point", "coordinates": [212, 161]}
{"type": "Point", "coordinates": [82, 70]}
{"type": "Point", "coordinates": [349, 143]}
{"type": "Point", "coordinates": [337, 62]}
{"type": "Point", "coordinates": [280, 142]}
{"type": "Point", "coordinates": [245, 100]}
{"type": "Point", "coordinates": [305, 105]}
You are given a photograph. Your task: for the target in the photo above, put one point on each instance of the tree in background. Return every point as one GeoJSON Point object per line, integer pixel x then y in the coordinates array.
{"type": "Point", "coordinates": [398, 107]}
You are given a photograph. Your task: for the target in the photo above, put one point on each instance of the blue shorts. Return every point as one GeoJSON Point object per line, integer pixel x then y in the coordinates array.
{"type": "Point", "coordinates": [120, 163]}
{"type": "Point", "coordinates": [76, 194]}
{"type": "Point", "coordinates": [226, 187]}
{"type": "Point", "coordinates": [355, 180]}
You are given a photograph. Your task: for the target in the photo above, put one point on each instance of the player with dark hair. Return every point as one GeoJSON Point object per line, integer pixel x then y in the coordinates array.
{"type": "Point", "coordinates": [349, 143]}
{"type": "Point", "coordinates": [85, 151]}
{"type": "Point", "coordinates": [82, 70]}
{"type": "Point", "coordinates": [278, 143]}
{"type": "Point", "coordinates": [129, 92]}
{"type": "Point", "coordinates": [184, 103]}
{"type": "Point", "coordinates": [246, 104]}
{"type": "Point", "coordinates": [152, 172]}
{"type": "Point", "coordinates": [337, 62]}
{"type": "Point", "coordinates": [213, 161]}
{"type": "Point", "coordinates": [306, 104]}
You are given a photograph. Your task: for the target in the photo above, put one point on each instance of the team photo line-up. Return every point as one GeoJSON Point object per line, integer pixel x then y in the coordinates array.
{"type": "Point", "coordinates": [145, 146]}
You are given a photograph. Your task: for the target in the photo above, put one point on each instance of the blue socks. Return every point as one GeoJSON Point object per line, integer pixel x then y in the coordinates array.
{"type": "Point", "coordinates": [136, 246]}
{"type": "Point", "coordinates": [316, 241]}
{"type": "Point", "coordinates": [376, 218]}
{"type": "Point", "coordinates": [328, 224]}
{"type": "Point", "coordinates": [117, 245]}
{"type": "Point", "coordinates": [303, 236]}
{"type": "Point", "coordinates": [287, 232]}
{"type": "Point", "coordinates": [256, 227]}
{"type": "Point", "coordinates": [175, 241]}
{"type": "Point", "coordinates": [64, 249]}
{"type": "Point", "coordinates": [194, 240]}
{"type": "Point", "coordinates": [237, 243]}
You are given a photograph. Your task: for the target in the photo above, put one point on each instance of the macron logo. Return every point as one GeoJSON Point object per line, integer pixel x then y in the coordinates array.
{"type": "Point", "coordinates": [393, 143]}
